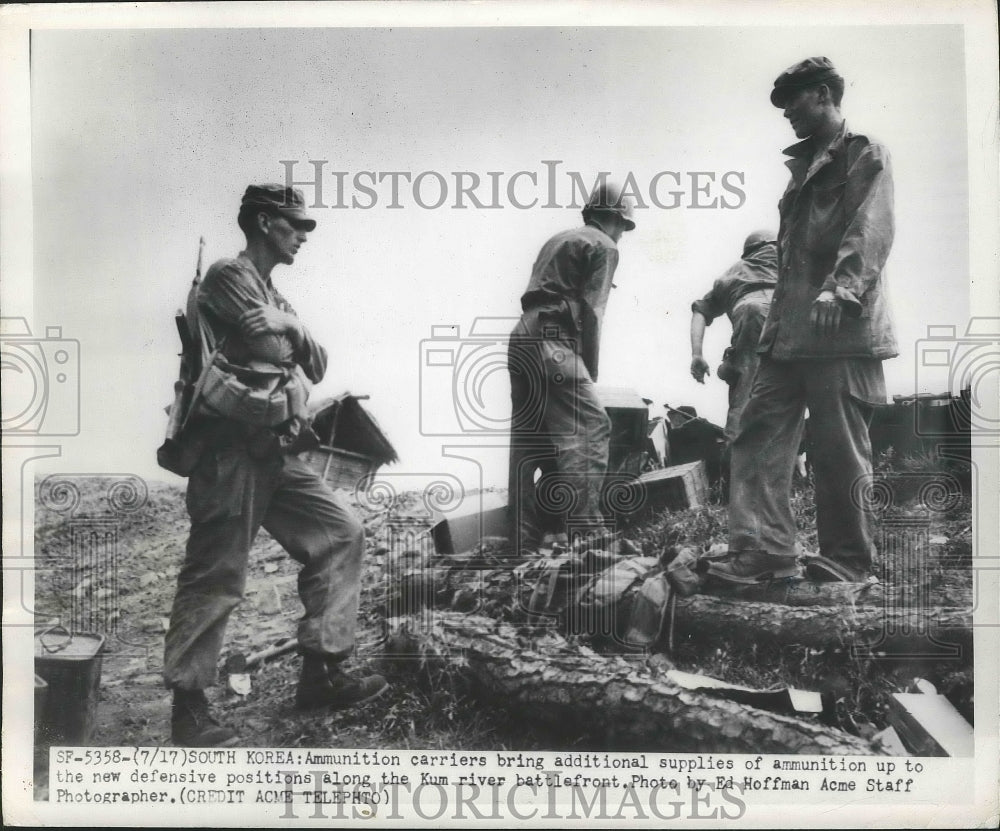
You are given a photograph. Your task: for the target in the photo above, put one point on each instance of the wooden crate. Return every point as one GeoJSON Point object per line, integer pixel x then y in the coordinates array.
{"type": "Point", "coordinates": [677, 487]}
{"type": "Point", "coordinates": [340, 468]}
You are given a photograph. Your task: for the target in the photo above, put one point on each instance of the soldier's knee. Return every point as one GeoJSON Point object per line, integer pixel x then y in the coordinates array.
{"type": "Point", "coordinates": [346, 528]}
{"type": "Point", "coordinates": [355, 530]}
{"type": "Point", "coordinates": [600, 426]}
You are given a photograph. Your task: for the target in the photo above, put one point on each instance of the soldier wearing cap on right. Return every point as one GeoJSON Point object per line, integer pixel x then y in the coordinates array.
{"type": "Point", "coordinates": [823, 343]}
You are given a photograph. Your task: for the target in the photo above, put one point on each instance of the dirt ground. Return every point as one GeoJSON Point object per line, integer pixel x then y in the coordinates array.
{"type": "Point", "coordinates": [147, 546]}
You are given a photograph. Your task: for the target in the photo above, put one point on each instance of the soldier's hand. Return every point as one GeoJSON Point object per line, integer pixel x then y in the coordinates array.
{"type": "Point", "coordinates": [825, 314]}
{"type": "Point", "coordinates": [699, 369]}
{"type": "Point", "coordinates": [265, 320]}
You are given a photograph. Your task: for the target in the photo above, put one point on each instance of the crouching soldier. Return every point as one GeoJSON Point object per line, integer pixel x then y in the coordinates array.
{"type": "Point", "coordinates": [247, 476]}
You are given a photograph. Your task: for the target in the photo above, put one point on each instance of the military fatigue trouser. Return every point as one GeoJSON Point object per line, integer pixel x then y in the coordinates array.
{"type": "Point", "coordinates": [839, 394]}
{"type": "Point", "coordinates": [230, 496]}
{"type": "Point", "coordinates": [558, 425]}
{"type": "Point", "coordinates": [741, 357]}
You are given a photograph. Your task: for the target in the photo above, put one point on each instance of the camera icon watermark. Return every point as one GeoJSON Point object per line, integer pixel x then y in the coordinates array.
{"type": "Point", "coordinates": [41, 380]}
{"type": "Point", "coordinates": [464, 380]}
{"type": "Point", "coordinates": [971, 362]}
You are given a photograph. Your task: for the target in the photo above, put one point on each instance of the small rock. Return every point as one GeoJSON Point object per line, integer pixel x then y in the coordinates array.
{"type": "Point", "coordinates": [937, 539]}
{"type": "Point", "coordinates": [270, 568]}
{"type": "Point", "coordinates": [465, 600]}
{"type": "Point", "coordinates": [148, 579]}
{"type": "Point", "coordinates": [269, 602]}
{"type": "Point", "coordinates": [239, 683]}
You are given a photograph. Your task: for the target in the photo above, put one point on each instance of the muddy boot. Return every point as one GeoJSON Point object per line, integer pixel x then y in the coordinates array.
{"type": "Point", "coordinates": [324, 684]}
{"type": "Point", "coordinates": [193, 725]}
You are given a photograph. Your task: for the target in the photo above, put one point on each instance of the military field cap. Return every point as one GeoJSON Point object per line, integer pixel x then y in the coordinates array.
{"type": "Point", "coordinates": [289, 202]}
{"type": "Point", "coordinates": [803, 74]}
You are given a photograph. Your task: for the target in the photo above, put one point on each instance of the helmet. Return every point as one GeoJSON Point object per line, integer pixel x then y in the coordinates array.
{"type": "Point", "coordinates": [756, 239]}
{"type": "Point", "coordinates": [608, 197]}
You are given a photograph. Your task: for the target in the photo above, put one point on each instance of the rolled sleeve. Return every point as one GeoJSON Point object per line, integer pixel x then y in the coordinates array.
{"type": "Point", "coordinates": [709, 306]}
{"type": "Point", "coordinates": [227, 293]}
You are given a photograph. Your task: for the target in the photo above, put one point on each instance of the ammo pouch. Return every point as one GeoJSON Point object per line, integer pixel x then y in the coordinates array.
{"type": "Point", "coordinates": [728, 371]}
{"type": "Point", "coordinates": [264, 395]}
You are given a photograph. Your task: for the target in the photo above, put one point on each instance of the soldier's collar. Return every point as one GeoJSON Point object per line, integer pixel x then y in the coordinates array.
{"type": "Point", "coordinates": [805, 149]}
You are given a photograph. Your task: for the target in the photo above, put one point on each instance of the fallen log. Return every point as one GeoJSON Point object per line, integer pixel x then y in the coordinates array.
{"type": "Point", "coordinates": [952, 591]}
{"type": "Point", "coordinates": [870, 618]}
{"type": "Point", "coordinates": [928, 631]}
{"type": "Point", "coordinates": [631, 707]}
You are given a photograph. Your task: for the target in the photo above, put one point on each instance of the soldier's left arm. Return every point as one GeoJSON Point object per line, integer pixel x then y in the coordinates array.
{"type": "Point", "coordinates": [868, 228]}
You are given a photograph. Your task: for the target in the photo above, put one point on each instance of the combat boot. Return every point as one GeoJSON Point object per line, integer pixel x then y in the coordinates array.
{"type": "Point", "coordinates": [753, 566]}
{"type": "Point", "coordinates": [193, 725]}
{"type": "Point", "coordinates": [324, 684]}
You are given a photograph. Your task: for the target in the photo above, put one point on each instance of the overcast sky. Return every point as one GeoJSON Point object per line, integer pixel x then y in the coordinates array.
{"type": "Point", "coordinates": [144, 140]}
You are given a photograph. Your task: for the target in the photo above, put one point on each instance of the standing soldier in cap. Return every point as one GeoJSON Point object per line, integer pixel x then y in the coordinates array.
{"type": "Point", "coordinates": [743, 293]}
{"type": "Point", "coordinates": [823, 343]}
{"type": "Point", "coordinates": [247, 476]}
{"type": "Point", "coordinates": [558, 423]}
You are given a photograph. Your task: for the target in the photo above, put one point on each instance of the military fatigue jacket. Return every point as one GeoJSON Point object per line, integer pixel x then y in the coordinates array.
{"type": "Point", "coordinates": [570, 283]}
{"type": "Point", "coordinates": [835, 234]}
{"type": "Point", "coordinates": [756, 270]}
{"type": "Point", "coordinates": [231, 287]}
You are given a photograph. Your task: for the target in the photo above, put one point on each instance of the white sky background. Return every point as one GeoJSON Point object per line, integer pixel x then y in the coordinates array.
{"type": "Point", "coordinates": [145, 139]}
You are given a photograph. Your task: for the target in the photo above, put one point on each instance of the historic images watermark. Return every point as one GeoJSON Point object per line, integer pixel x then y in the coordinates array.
{"type": "Point", "coordinates": [546, 187]}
